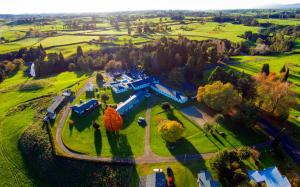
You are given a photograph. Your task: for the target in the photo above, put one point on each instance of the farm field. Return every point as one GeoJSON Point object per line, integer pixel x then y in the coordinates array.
{"type": "Point", "coordinates": [280, 21]}
{"type": "Point", "coordinates": [192, 30]}
{"type": "Point", "coordinates": [145, 61]}
{"type": "Point", "coordinates": [11, 127]}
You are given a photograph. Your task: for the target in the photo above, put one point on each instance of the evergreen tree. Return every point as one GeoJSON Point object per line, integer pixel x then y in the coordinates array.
{"type": "Point", "coordinates": [283, 69]}
{"type": "Point", "coordinates": [286, 75]}
{"type": "Point", "coordinates": [79, 51]}
{"type": "Point", "coordinates": [265, 69]}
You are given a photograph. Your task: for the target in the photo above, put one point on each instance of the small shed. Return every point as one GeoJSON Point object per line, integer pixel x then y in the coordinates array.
{"type": "Point", "coordinates": [58, 100]}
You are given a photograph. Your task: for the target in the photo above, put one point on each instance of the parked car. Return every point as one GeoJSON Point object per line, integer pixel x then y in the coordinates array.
{"type": "Point", "coordinates": [141, 121]}
{"type": "Point", "coordinates": [171, 181]}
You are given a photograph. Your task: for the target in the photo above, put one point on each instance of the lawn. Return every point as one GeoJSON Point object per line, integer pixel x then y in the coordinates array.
{"type": "Point", "coordinates": [14, 172]}
{"type": "Point", "coordinates": [185, 173]}
{"type": "Point", "coordinates": [81, 137]}
{"type": "Point", "coordinates": [194, 139]}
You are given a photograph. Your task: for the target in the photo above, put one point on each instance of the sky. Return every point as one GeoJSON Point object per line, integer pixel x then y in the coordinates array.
{"type": "Point", "coordinates": [78, 6]}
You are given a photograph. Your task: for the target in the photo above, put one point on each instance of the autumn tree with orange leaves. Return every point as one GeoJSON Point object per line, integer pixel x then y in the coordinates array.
{"type": "Point", "coordinates": [113, 122]}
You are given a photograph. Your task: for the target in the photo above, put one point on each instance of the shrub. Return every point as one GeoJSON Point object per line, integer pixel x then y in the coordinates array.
{"type": "Point", "coordinates": [37, 154]}
{"type": "Point", "coordinates": [219, 118]}
{"type": "Point", "coordinates": [170, 131]}
{"type": "Point", "coordinates": [33, 85]}
{"type": "Point", "coordinates": [71, 122]}
{"type": "Point", "coordinates": [166, 106]}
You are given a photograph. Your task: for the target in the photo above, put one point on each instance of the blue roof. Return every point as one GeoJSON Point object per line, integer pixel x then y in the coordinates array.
{"type": "Point", "coordinates": [140, 82]}
{"type": "Point", "coordinates": [271, 176]}
{"type": "Point", "coordinates": [170, 92]}
{"type": "Point", "coordinates": [138, 96]}
{"type": "Point", "coordinates": [205, 180]}
{"type": "Point", "coordinates": [84, 106]}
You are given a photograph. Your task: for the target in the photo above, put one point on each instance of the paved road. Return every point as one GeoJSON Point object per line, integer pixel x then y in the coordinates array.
{"type": "Point", "coordinates": [196, 115]}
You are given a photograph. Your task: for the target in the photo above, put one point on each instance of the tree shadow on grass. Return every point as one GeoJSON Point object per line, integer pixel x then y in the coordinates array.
{"type": "Point", "coordinates": [184, 152]}
{"type": "Point", "coordinates": [119, 145]}
{"type": "Point", "coordinates": [84, 121]}
{"type": "Point", "coordinates": [97, 142]}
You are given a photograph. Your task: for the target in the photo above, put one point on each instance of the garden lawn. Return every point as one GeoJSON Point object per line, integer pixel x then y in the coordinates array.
{"type": "Point", "coordinates": [194, 140]}
{"type": "Point", "coordinates": [82, 137]}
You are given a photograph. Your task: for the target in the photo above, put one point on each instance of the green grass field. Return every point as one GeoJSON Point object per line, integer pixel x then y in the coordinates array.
{"type": "Point", "coordinates": [13, 170]}
{"type": "Point", "coordinates": [291, 22]}
{"type": "Point", "coordinates": [194, 139]}
{"type": "Point", "coordinates": [82, 137]}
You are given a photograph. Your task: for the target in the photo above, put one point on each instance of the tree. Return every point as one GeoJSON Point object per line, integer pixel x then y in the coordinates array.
{"type": "Point", "coordinates": [104, 97]}
{"type": "Point", "coordinates": [275, 96]}
{"type": "Point", "coordinates": [283, 69]}
{"type": "Point", "coordinates": [176, 76]}
{"type": "Point", "coordinates": [99, 77]}
{"type": "Point", "coordinates": [113, 122]}
{"type": "Point", "coordinates": [286, 75]}
{"type": "Point", "coordinates": [166, 106]}
{"type": "Point", "coordinates": [265, 69]}
{"type": "Point", "coordinates": [218, 96]}
{"type": "Point", "coordinates": [170, 131]}
{"type": "Point", "coordinates": [71, 67]}
{"type": "Point", "coordinates": [79, 51]}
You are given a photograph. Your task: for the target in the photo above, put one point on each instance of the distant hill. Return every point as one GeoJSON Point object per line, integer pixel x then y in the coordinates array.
{"type": "Point", "coordinates": [281, 6]}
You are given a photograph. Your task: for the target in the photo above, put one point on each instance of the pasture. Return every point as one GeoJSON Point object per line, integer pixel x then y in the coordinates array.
{"type": "Point", "coordinates": [14, 119]}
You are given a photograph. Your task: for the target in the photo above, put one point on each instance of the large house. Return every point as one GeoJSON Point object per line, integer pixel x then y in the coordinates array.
{"type": "Point", "coordinates": [143, 83]}
{"type": "Point", "coordinates": [118, 87]}
{"type": "Point", "coordinates": [205, 180]}
{"type": "Point", "coordinates": [85, 107]}
{"type": "Point", "coordinates": [271, 177]}
{"type": "Point", "coordinates": [169, 92]}
{"type": "Point", "coordinates": [131, 102]}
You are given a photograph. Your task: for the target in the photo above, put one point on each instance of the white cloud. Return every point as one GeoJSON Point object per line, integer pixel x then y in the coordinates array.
{"type": "Point", "coordinates": [54, 6]}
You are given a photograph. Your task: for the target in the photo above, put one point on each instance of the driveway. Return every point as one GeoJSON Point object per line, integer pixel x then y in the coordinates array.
{"type": "Point", "coordinates": [196, 115]}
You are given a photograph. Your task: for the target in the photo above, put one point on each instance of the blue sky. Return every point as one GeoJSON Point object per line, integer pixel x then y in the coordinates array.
{"type": "Point", "coordinates": [69, 6]}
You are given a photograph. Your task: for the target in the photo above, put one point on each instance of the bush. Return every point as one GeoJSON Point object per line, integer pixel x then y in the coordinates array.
{"type": "Point", "coordinates": [36, 150]}
{"type": "Point", "coordinates": [170, 131]}
{"type": "Point", "coordinates": [166, 106]}
{"type": "Point", "coordinates": [33, 85]}
{"type": "Point", "coordinates": [219, 118]}
{"type": "Point", "coordinates": [71, 122]}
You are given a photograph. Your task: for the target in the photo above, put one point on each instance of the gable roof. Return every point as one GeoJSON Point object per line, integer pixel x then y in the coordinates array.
{"type": "Point", "coordinates": [57, 101]}
{"type": "Point", "coordinates": [140, 96]}
{"type": "Point", "coordinates": [170, 91]}
{"type": "Point", "coordinates": [85, 105]}
{"type": "Point", "coordinates": [271, 176]}
{"type": "Point", "coordinates": [140, 82]}
{"type": "Point", "coordinates": [205, 180]}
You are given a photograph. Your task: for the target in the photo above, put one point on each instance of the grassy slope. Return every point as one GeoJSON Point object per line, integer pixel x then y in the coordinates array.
{"type": "Point", "coordinates": [14, 172]}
